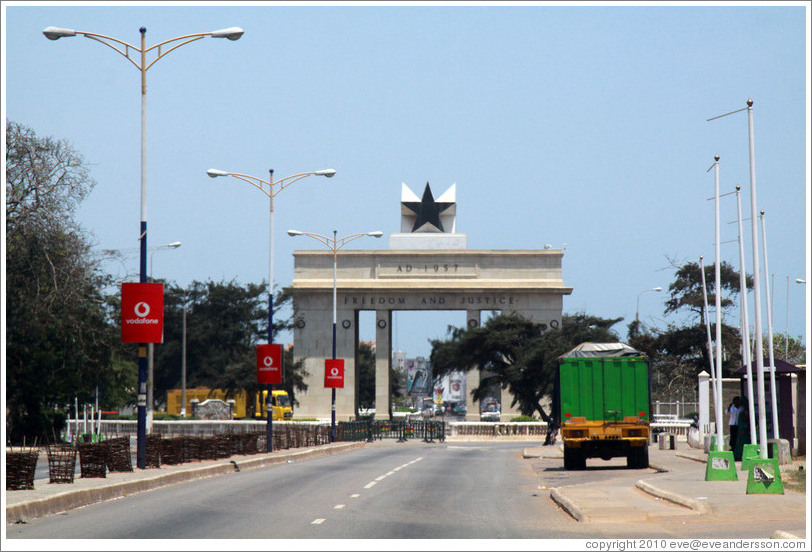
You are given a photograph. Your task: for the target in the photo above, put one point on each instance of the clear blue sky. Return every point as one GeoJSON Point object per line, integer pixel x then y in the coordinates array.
{"type": "Point", "coordinates": [572, 124]}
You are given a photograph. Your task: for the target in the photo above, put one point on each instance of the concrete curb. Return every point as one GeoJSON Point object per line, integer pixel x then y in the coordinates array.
{"type": "Point", "coordinates": [568, 505]}
{"type": "Point", "coordinates": [84, 497]}
{"type": "Point", "coordinates": [691, 457]}
{"type": "Point", "coordinates": [689, 503]}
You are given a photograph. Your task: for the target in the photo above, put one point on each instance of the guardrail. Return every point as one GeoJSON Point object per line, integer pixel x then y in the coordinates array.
{"type": "Point", "coordinates": [497, 429]}
{"type": "Point", "coordinates": [179, 428]}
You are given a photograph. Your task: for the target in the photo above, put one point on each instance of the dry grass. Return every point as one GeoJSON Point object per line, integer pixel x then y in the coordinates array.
{"type": "Point", "coordinates": [794, 475]}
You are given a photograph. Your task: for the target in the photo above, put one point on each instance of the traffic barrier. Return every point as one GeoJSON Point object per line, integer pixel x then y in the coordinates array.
{"type": "Point", "coordinates": [369, 430]}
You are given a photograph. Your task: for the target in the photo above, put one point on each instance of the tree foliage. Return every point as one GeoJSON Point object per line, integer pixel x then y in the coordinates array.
{"type": "Point", "coordinates": [679, 353]}
{"type": "Point", "coordinates": [365, 359]}
{"type": "Point", "coordinates": [521, 356]}
{"type": "Point", "coordinates": [224, 323]}
{"type": "Point", "coordinates": [59, 340]}
{"type": "Point", "coordinates": [686, 289]}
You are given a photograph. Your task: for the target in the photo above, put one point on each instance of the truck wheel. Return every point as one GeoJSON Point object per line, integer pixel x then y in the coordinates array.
{"type": "Point", "coordinates": [637, 458]}
{"type": "Point", "coordinates": [574, 459]}
{"type": "Point", "coordinates": [569, 458]}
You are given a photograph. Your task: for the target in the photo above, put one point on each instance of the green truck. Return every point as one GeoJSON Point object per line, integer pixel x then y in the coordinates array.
{"type": "Point", "coordinates": [603, 404]}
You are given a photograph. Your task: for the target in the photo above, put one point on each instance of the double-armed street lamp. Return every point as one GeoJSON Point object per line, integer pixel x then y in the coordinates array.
{"type": "Point", "coordinates": [334, 244]}
{"type": "Point", "coordinates": [270, 188]}
{"type": "Point", "coordinates": [138, 57]}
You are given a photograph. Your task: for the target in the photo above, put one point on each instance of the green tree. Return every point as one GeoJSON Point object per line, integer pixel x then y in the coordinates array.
{"type": "Point", "coordinates": [365, 357]}
{"type": "Point", "coordinates": [678, 353]}
{"type": "Point", "coordinates": [785, 347]}
{"type": "Point", "coordinates": [224, 323]}
{"type": "Point", "coordinates": [60, 341]}
{"type": "Point", "coordinates": [521, 355]}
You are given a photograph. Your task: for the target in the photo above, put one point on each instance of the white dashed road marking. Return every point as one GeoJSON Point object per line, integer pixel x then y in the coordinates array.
{"type": "Point", "coordinates": [369, 485]}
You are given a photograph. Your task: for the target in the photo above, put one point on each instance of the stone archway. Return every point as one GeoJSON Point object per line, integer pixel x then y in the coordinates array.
{"type": "Point", "coordinates": [526, 282]}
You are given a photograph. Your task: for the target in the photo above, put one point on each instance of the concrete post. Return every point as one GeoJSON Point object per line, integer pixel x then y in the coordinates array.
{"type": "Point", "coordinates": [703, 396]}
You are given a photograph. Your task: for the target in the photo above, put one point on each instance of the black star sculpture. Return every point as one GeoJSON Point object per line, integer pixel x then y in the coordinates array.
{"type": "Point", "coordinates": [428, 212]}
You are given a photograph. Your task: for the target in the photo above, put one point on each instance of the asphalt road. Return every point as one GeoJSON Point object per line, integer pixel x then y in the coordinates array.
{"type": "Point", "coordinates": [388, 491]}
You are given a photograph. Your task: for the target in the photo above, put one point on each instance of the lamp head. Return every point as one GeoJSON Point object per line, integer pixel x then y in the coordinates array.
{"type": "Point", "coordinates": [174, 245]}
{"type": "Point", "coordinates": [294, 233]}
{"type": "Point", "coordinates": [232, 33]}
{"type": "Point", "coordinates": [376, 234]}
{"type": "Point", "coordinates": [214, 173]}
{"type": "Point", "coordinates": [658, 288]}
{"type": "Point", "coordinates": [55, 33]}
{"type": "Point", "coordinates": [326, 172]}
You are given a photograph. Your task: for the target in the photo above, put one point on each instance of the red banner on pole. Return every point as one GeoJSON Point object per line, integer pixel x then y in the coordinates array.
{"type": "Point", "coordinates": [269, 363]}
{"type": "Point", "coordinates": [334, 373]}
{"type": "Point", "coordinates": [142, 313]}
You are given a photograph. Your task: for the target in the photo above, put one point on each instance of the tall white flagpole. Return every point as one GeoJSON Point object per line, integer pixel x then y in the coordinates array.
{"type": "Point", "coordinates": [762, 406]}
{"type": "Point", "coordinates": [773, 398]}
{"type": "Point", "coordinates": [720, 445]}
{"type": "Point", "coordinates": [745, 324]}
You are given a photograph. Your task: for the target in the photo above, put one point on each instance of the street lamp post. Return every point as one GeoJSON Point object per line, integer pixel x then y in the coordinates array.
{"type": "Point", "coordinates": [128, 51]}
{"type": "Point", "coordinates": [334, 244]}
{"type": "Point", "coordinates": [786, 341]}
{"type": "Point", "coordinates": [151, 348]}
{"type": "Point", "coordinates": [267, 187]}
{"type": "Point", "coordinates": [637, 312]}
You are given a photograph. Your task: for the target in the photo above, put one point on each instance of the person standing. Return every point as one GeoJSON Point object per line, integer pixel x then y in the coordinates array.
{"type": "Point", "coordinates": [733, 412]}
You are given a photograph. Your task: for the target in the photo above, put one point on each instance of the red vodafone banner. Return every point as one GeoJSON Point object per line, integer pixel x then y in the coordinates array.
{"type": "Point", "coordinates": [334, 373]}
{"type": "Point", "coordinates": [269, 363]}
{"type": "Point", "coordinates": [142, 313]}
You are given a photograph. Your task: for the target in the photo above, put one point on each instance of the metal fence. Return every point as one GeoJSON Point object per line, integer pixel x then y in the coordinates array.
{"type": "Point", "coordinates": [675, 410]}
{"type": "Point", "coordinates": [400, 429]}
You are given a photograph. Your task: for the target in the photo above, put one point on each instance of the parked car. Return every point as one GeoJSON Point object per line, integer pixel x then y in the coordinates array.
{"type": "Point", "coordinates": [491, 412]}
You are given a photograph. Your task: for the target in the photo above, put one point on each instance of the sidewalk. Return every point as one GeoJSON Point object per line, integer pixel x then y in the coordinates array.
{"type": "Point", "coordinates": [51, 498]}
{"type": "Point", "coordinates": [677, 491]}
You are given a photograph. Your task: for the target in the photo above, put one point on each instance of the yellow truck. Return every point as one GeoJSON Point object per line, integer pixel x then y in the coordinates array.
{"type": "Point", "coordinates": [282, 406]}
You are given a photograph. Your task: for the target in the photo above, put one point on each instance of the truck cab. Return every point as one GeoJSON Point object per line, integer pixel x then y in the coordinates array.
{"type": "Point", "coordinates": [281, 405]}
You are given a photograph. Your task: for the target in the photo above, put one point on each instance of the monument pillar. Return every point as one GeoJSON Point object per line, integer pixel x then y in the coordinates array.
{"type": "Point", "coordinates": [472, 377]}
{"type": "Point", "coordinates": [383, 364]}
